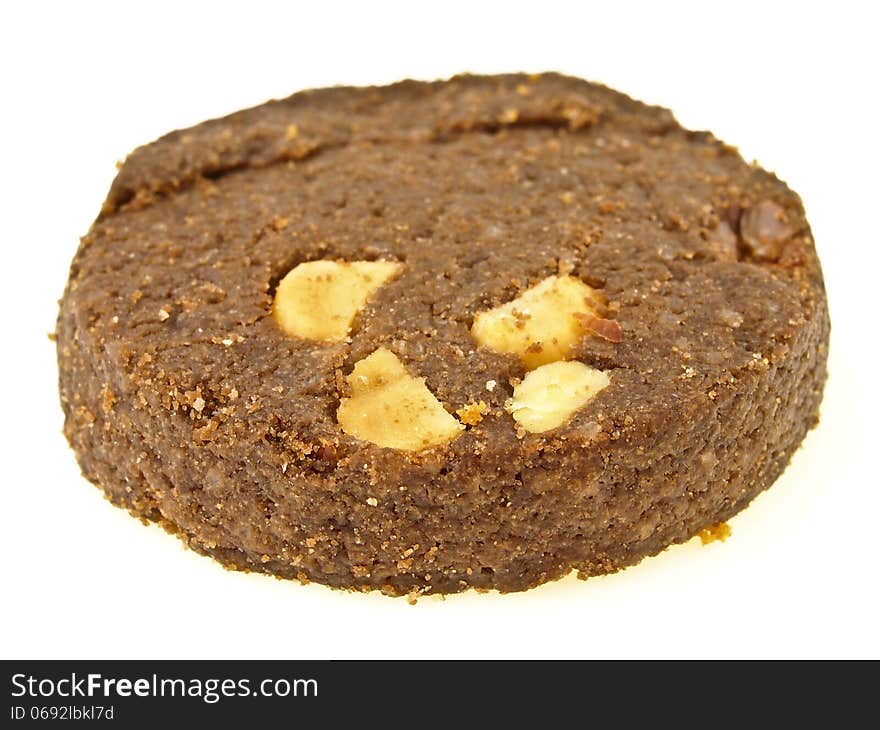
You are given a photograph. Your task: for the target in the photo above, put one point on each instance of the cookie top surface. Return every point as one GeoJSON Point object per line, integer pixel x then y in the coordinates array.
{"type": "Point", "coordinates": [479, 187]}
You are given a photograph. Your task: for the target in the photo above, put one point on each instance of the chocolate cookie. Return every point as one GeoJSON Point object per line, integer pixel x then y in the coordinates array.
{"type": "Point", "coordinates": [432, 336]}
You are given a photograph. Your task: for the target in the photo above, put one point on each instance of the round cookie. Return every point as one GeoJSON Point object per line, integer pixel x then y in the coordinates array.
{"type": "Point", "coordinates": [432, 336]}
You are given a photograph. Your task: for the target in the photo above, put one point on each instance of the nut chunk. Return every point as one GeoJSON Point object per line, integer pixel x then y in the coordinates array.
{"type": "Point", "coordinates": [543, 323]}
{"type": "Point", "coordinates": [318, 300]}
{"type": "Point", "coordinates": [549, 395]}
{"type": "Point", "coordinates": [389, 407]}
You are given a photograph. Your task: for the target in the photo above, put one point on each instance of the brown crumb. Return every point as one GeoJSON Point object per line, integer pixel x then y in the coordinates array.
{"type": "Point", "coordinates": [108, 399]}
{"type": "Point", "coordinates": [509, 116]}
{"type": "Point", "coordinates": [327, 452]}
{"type": "Point", "coordinates": [341, 383]}
{"type": "Point", "coordinates": [472, 413]}
{"type": "Point", "coordinates": [610, 206]}
{"type": "Point", "coordinates": [719, 531]}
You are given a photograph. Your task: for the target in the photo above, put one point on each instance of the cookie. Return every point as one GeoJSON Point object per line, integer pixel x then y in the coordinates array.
{"type": "Point", "coordinates": [433, 336]}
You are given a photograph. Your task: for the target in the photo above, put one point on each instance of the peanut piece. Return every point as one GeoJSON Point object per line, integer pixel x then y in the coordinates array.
{"type": "Point", "coordinates": [391, 408]}
{"type": "Point", "coordinates": [318, 300]}
{"type": "Point", "coordinates": [542, 324]}
{"type": "Point", "coordinates": [549, 395]}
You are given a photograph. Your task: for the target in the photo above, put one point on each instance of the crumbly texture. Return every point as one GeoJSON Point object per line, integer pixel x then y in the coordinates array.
{"type": "Point", "coordinates": [188, 405]}
{"type": "Point", "coordinates": [719, 531]}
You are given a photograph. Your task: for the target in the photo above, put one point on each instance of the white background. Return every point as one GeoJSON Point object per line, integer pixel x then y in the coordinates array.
{"type": "Point", "coordinates": [793, 85]}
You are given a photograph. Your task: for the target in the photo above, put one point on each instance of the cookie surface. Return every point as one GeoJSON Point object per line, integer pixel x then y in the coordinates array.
{"type": "Point", "coordinates": [189, 404]}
